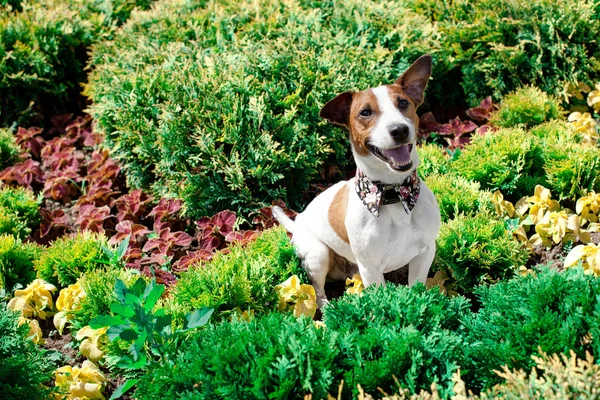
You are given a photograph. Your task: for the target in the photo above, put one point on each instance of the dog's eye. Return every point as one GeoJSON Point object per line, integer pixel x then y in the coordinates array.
{"type": "Point", "coordinates": [365, 112]}
{"type": "Point", "coordinates": [402, 104]}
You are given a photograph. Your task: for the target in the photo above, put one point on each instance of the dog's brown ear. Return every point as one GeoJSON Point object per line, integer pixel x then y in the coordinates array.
{"type": "Point", "coordinates": [338, 109]}
{"type": "Point", "coordinates": [414, 81]}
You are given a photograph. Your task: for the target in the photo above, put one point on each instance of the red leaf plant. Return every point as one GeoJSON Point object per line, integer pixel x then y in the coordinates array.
{"type": "Point", "coordinates": [92, 218]}
{"type": "Point", "coordinates": [427, 125]}
{"type": "Point", "coordinates": [456, 129]}
{"type": "Point", "coordinates": [132, 206]}
{"type": "Point", "coordinates": [61, 185]}
{"type": "Point", "coordinates": [242, 237]}
{"type": "Point", "coordinates": [192, 258]}
{"type": "Point", "coordinates": [30, 141]}
{"type": "Point", "coordinates": [67, 158]}
{"type": "Point", "coordinates": [213, 230]}
{"type": "Point", "coordinates": [125, 228]}
{"type": "Point", "coordinates": [26, 173]}
{"type": "Point", "coordinates": [57, 145]}
{"type": "Point", "coordinates": [59, 122]}
{"type": "Point", "coordinates": [264, 217]}
{"type": "Point", "coordinates": [483, 111]}
{"type": "Point", "coordinates": [164, 243]}
{"type": "Point", "coordinates": [98, 195]}
{"type": "Point", "coordinates": [166, 212]}
{"type": "Point", "coordinates": [54, 223]}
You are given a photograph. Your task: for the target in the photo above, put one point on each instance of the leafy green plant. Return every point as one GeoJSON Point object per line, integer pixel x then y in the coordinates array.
{"type": "Point", "coordinates": [456, 195]}
{"type": "Point", "coordinates": [16, 262]}
{"type": "Point", "coordinates": [551, 310]}
{"type": "Point", "coordinates": [527, 106]}
{"type": "Point", "coordinates": [19, 212]}
{"type": "Point", "coordinates": [411, 334]}
{"type": "Point", "coordinates": [433, 160]}
{"type": "Point", "coordinates": [146, 330]}
{"type": "Point", "coordinates": [24, 367]}
{"type": "Point", "coordinates": [273, 356]}
{"type": "Point", "coordinates": [244, 278]}
{"type": "Point", "coordinates": [9, 150]}
{"type": "Point", "coordinates": [510, 160]}
{"type": "Point", "coordinates": [475, 250]}
{"type": "Point", "coordinates": [69, 257]}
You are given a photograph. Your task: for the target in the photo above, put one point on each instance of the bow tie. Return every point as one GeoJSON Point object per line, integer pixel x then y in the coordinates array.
{"type": "Point", "coordinates": [374, 194]}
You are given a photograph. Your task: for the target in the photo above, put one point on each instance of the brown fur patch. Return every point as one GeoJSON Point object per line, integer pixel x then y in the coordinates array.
{"type": "Point", "coordinates": [337, 213]}
{"type": "Point", "coordinates": [360, 127]}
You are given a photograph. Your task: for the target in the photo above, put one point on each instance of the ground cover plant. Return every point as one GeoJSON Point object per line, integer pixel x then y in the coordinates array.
{"type": "Point", "coordinates": [137, 258]}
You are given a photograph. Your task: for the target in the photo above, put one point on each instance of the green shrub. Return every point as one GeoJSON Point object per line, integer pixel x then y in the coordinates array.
{"type": "Point", "coordinates": [412, 334]}
{"type": "Point", "coordinates": [99, 287]}
{"type": "Point", "coordinates": [475, 250]}
{"type": "Point", "coordinates": [24, 368]}
{"type": "Point", "coordinates": [527, 107]}
{"type": "Point", "coordinates": [9, 150]}
{"type": "Point", "coordinates": [245, 277]}
{"type": "Point", "coordinates": [69, 257]}
{"type": "Point", "coordinates": [19, 212]}
{"type": "Point", "coordinates": [456, 195]}
{"type": "Point", "coordinates": [16, 262]}
{"type": "Point", "coordinates": [275, 356]}
{"type": "Point", "coordinates": [433, 160]}
{"type": "Point", "coordinates": [551, 310]}
{"type": "Point", "coordinates": [43, 50]}
{"type": "Point", "coordinates": [509, 160]}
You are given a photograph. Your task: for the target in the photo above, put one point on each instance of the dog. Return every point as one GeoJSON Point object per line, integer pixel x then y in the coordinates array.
{"type": "Point", "coordinates": [386, 217]}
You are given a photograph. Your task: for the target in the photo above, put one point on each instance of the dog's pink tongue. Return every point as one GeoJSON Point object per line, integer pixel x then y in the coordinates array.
{"type": "Point", "coordinates": [399, 155]}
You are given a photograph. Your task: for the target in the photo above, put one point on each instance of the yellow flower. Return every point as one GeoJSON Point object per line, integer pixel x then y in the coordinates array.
{"type": "Point", "coordinates": [33, 301]}
{"type": "Point", "coordinates": [319, 324]}
{"type": "Point", "coordinates": [588, 207]}
{"type": "Point", "coordinates": [244, 316]}
{"type": "Point", "coordinates": [503, 207]}
{"type": "Point", "coordinates": [90, 346]}
{"type": "Point", "coordinates": [301, 298]}
{"type": "Point", "coordinates": [521, 236]}
{"type": "Point", "coordinates": [35, 332]}
{"type": "Point", "coordinates": [557, 227]}
{"type": "Point", "coordinates": [589, 254]}
{"type": "Point", "coordinates": [356, 284]}
{"type": "Point", "coordinates": [523, 271]}
{"type": "Point", "coordinates": [439, 281]}
{"type": "Point", "coordinates": [593, 99]}
{"type": "Point", "coordinates": [584, 124]}
{"type": "Point", "coordinates": [539, 203]}
{"type": "Point", "coordinates": [86, 382]}
{"type": "Point", "coordinates": [68, 300]}
{"type": "Point", "coordinates": [575, 91]}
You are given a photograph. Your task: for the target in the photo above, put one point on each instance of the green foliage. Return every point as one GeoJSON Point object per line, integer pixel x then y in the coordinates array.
{"type": "Point", "coordinates": [433, 160]}
{"type": "Point", "coordinates": [16, 262]}
{"type": "Point", "coordinates": [555, 311]}
{"type": "Point", "coordinates": [24, 368]}
{"type": "Point", "coordinates": [527, 106]}
{"type": "Point", "coordinates": [18, 211]}
{"type": "Point", "coordinates": [395, 331]}
{"type": "Point", "coordinates": [98, 286]}
{"type": "Point", "coordinates": [71, 256]}
{"type": "Point", "coordinates": [475, 250]}
{"type": "Point", "coordinates": [509, 160]}
{"type": "Point", "coordinates": [244, 278]}
{"type": "Point", "coordinates": [275, 356]}
{"type": "Point", "coordinates": [43, 52]}
{"type": "Point", "coordinates": [456, 195]}
{"type": "Point", "coordinates": [134, 321]}
{"type": "Point", "coordinates": [9, 150]}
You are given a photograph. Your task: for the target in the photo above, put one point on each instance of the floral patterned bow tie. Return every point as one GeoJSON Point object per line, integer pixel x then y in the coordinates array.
{"type": "Point", "coordinates": [374, 194]}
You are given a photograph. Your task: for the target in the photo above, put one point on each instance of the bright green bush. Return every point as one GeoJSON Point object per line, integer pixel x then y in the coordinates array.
{"type": "Point", "coordinates": [276, 356]}
{"type": "Point", "coordinates": [527, 106]}
{"type": "Point", "coordinates": [551, 310]}
{"type": "Point", "coordinates": [509, 160]}
{"type": "Point", "coordinates": [475, 250]}
{"type": "Point", "coordinates": [69, 257]}
{"type": "Point", "coordinates": [9, 150]}
{"type": "Point", "coordinates": [433, 160]}
{"type": "Point", "coordinates": [456, 195]}
{"type": "Point", "coordinates": [24, 368]}
{"type": "Point", "coordinates": [412, 334]}
{"type": "Point", "coordinates": [43, 52]}
{"type": "Point", "coordinates": [99, 287]}
{"type": "Point", "coordinates": [16, 262]}
{"type": "Point", "coordinates": [19, 212]}
{"type": "Point", "coordinates": [245, 277]}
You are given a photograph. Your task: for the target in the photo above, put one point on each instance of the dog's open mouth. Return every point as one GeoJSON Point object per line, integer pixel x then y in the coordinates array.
{"type": "Point", "coordinates": [398, 158]}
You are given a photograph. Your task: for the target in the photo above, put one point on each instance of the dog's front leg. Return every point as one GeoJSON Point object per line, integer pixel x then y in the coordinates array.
{"type": "Point", "coordinates": [418, 267]}
{"type": "Point", "coordinates": [370, 276]}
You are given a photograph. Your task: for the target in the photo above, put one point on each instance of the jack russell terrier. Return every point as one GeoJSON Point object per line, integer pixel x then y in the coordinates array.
{"type": "Point", "coordinates": [385, 217]}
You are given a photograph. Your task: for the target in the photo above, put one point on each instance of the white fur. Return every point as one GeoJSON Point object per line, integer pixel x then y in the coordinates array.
{"type": "Point", "coordinates": [377, 244]}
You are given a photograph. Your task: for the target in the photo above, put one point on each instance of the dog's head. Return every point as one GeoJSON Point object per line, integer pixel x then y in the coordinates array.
{"type": "Point", "coordinates": [383, 123]}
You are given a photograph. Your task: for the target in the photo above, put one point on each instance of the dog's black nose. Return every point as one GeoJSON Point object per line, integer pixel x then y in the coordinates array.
{"type": "Point", "coordinates": [399, 132]}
